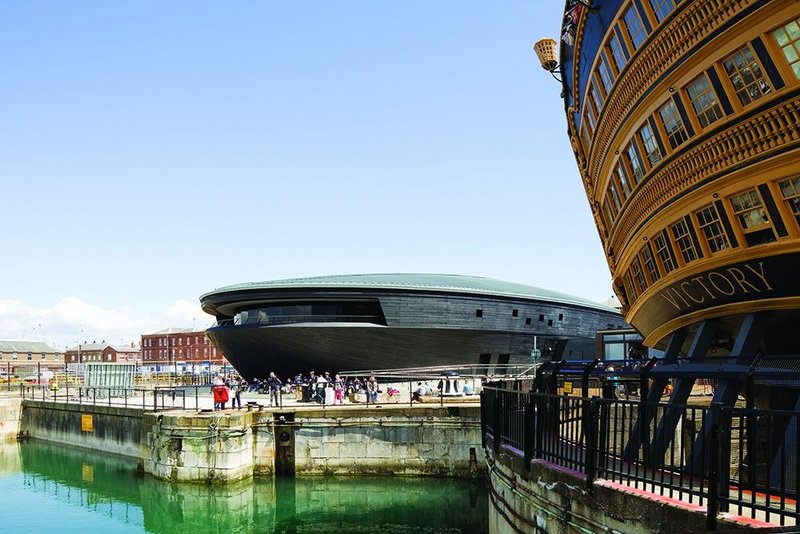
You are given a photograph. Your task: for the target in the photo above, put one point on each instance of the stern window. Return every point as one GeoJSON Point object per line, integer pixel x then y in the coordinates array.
{"type": "Point", "coordinates": [662, 8]}
{"type": "Point", "coordinates": [704, 101]}
{"type": "Point", "coordinates": [746, 76]}
{"type": "Point", "coordinates": [680, 231]}
{"type": "Point", "coordinates": [673, 124]}
{"type": "Point", "coordinates": [712, 230]}
{"type": "Point", "coordinates": [788, 38]}
{"type": "Point", "coordinates": [752, 217]}
{"type": "Point", "coordinates": [634, 26]}
{"type": "Point", "coordinates": [617, 53]}
{"type": "Point", "coordinates": [790, 190]}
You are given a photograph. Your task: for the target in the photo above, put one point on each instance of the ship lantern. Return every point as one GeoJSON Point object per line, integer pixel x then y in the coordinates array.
{"type": "Point", "coordinates": [546, 51]}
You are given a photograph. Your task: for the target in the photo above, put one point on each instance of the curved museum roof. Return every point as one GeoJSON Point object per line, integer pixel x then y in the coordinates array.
{"type": "Point", "coordinates": [446, 283]}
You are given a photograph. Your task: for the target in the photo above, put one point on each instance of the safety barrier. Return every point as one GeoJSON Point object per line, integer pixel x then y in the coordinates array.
{"type": "Point", "coordinates": [726, 459]}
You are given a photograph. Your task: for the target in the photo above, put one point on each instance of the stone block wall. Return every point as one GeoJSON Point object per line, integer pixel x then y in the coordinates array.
{"type": "Point", "coordinates": [224, 447]}
{"type": "Point", "coordinates": [236, 445]}
{"type": "Point", "coordinates": [549, 498]}
{"type": "Point", "coordinates": [400, 442]}
{"type": "Point", "coordinates": [9, 418]}
{"type": "Point", "coordinates": [198, 448]}
{"type": "Point", "coordinates": [106, 428]}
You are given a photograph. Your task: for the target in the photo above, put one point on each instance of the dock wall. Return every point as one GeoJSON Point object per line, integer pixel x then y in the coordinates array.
{"type": "Point", "coordinates": [234, 445]}
{"type": "Point", "coordinates": [10, 408]}
{"type": "Point", "coordinates": [106, 428]}
{"type": "Point", "coordinates": [548, 498]}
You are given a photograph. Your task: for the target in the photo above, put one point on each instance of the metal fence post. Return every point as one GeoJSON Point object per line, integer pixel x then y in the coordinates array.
{"type": "Point", "coordinates": [538, 428]}
{"type": "Point", "coordinates": [528, 423]}
{"type": "Point", "coordinates": [712, 506]}
{"type": "Point", "coordinates": [644, 430]}
{"type": "Point", "coordinates": [483, 418]}
{"type": "Point", "coordinates": [497, 423]}
{"type": "Point", "coordinates": [591, 441]}
{"type": "Point", "coordinates": [724, 466]}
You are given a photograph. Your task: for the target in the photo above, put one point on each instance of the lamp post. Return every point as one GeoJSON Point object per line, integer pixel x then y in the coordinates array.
{"type": "Point", "coordinates": [170, 358]}
{"type": "Point", "coordinates": [80, 356]}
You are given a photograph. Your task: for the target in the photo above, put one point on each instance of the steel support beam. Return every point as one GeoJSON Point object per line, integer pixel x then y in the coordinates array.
{"type": "Point", "coordinates": [727, 391]}
{"type": "Point", "coordinates": [665, 432]}
{"type": "Point", "coordinates": [654, 393]}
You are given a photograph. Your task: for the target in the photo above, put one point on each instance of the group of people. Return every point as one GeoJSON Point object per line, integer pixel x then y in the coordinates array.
{"type": "Point", "coordinates": [271, 385]}
{"type": "Point", "coordinates": [311, 388]}
{"type": "Point", "coordinates": [321, 388]}
{"type": "Point", "coordinates": [225, 389]}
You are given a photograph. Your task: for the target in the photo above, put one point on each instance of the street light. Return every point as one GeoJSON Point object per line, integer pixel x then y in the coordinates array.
{"type": "Point", "coordinates": [169, 359]}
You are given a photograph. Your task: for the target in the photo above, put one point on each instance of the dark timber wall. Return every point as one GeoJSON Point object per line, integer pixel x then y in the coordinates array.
{"type": "Point", "coordinates": [423, 329]}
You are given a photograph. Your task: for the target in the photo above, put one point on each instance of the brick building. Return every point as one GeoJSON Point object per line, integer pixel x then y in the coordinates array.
{"type": "Point", "coordinates": [180, 350]}
{"type": "Point", "coordinates": [101, 352]}
{"type": "Point", "coordinates": [22, 356]}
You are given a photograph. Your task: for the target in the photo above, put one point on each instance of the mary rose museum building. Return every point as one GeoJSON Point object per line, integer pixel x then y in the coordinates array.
{"type": "Point", "coordinates": [391, 321]}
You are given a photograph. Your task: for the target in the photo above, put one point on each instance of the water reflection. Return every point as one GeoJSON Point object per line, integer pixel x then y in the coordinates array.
{"type": "Point", "coordinates": [105, 491]}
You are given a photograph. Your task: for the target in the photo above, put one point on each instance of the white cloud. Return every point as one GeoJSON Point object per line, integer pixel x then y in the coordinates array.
{"type": "Point", "coordinates": [71, 320]}
{"type": "Point", "coordinates": [188, 313]}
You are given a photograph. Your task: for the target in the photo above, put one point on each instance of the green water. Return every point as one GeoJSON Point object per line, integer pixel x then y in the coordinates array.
{"type": "Point", "coordinates": [55, 489]}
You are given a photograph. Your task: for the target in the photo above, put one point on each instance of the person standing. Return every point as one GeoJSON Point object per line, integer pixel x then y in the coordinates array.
{"type": "Point", "coordinates": [236, 392]}
{"type": "Point", "coordinates": [321, 384]}
{"type": "Point", "coordinates": [216, 389]}
{"type": "Point", "coordinates": [274, 385]}
{"type": "Point", "coordinates": [372, 390]}
{"type": "Point", "coordinates": [299, 383]}
{"type": "Point", "coordinates": [338, 390]}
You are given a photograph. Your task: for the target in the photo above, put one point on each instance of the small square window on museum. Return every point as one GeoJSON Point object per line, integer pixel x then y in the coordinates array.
{"type": "Point", "coordinates": [560, 316]}
{"type": "Point", "coordinates": [541, 318]}
{"type": "Point", "coordinates": [478, 313]}
{"type": "Point", "coordinates": [550, 322]}
{"type": "Point", "coordinates": [514, 313]}
{"type": "Point", "coordinates": [527, 320]}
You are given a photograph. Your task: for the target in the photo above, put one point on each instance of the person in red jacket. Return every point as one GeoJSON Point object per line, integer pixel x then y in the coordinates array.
{"type": "Point", "coordinates": [220, 391]}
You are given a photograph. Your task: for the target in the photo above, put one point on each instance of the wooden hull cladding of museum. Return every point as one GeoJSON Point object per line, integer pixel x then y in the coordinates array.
{"type": "Point", "coordinates": [685, 122]}
{"type": "Point", "coordinates": [361, 322]}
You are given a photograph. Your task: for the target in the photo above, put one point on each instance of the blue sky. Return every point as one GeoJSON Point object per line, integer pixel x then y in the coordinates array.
{"type": "Point", "coordinates": [153, 151]}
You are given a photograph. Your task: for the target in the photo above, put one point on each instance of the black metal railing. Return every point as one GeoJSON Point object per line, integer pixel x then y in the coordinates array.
{"type": "Point", "coordinates": [156, 398]}
{"type": "Point", "coordinates": [726, 459]}
{"type": "Point", "coordinates": [765, 469]}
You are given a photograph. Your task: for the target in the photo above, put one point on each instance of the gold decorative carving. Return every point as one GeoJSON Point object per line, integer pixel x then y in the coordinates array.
{"type": "Point", "coordinates": [696, 21]}
{"type": "Point", "coordinates": [751, 140]}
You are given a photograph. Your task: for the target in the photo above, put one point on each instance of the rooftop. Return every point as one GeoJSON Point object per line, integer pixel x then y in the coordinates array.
{"type": "Point", "coordinates": [448, 283]}
{"type": "Point", "coordinates": [93, 347]}
{"type": "Point", "coordinates": [176, 331]}
{"type": "Point", "coordinates": [26, 346]}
